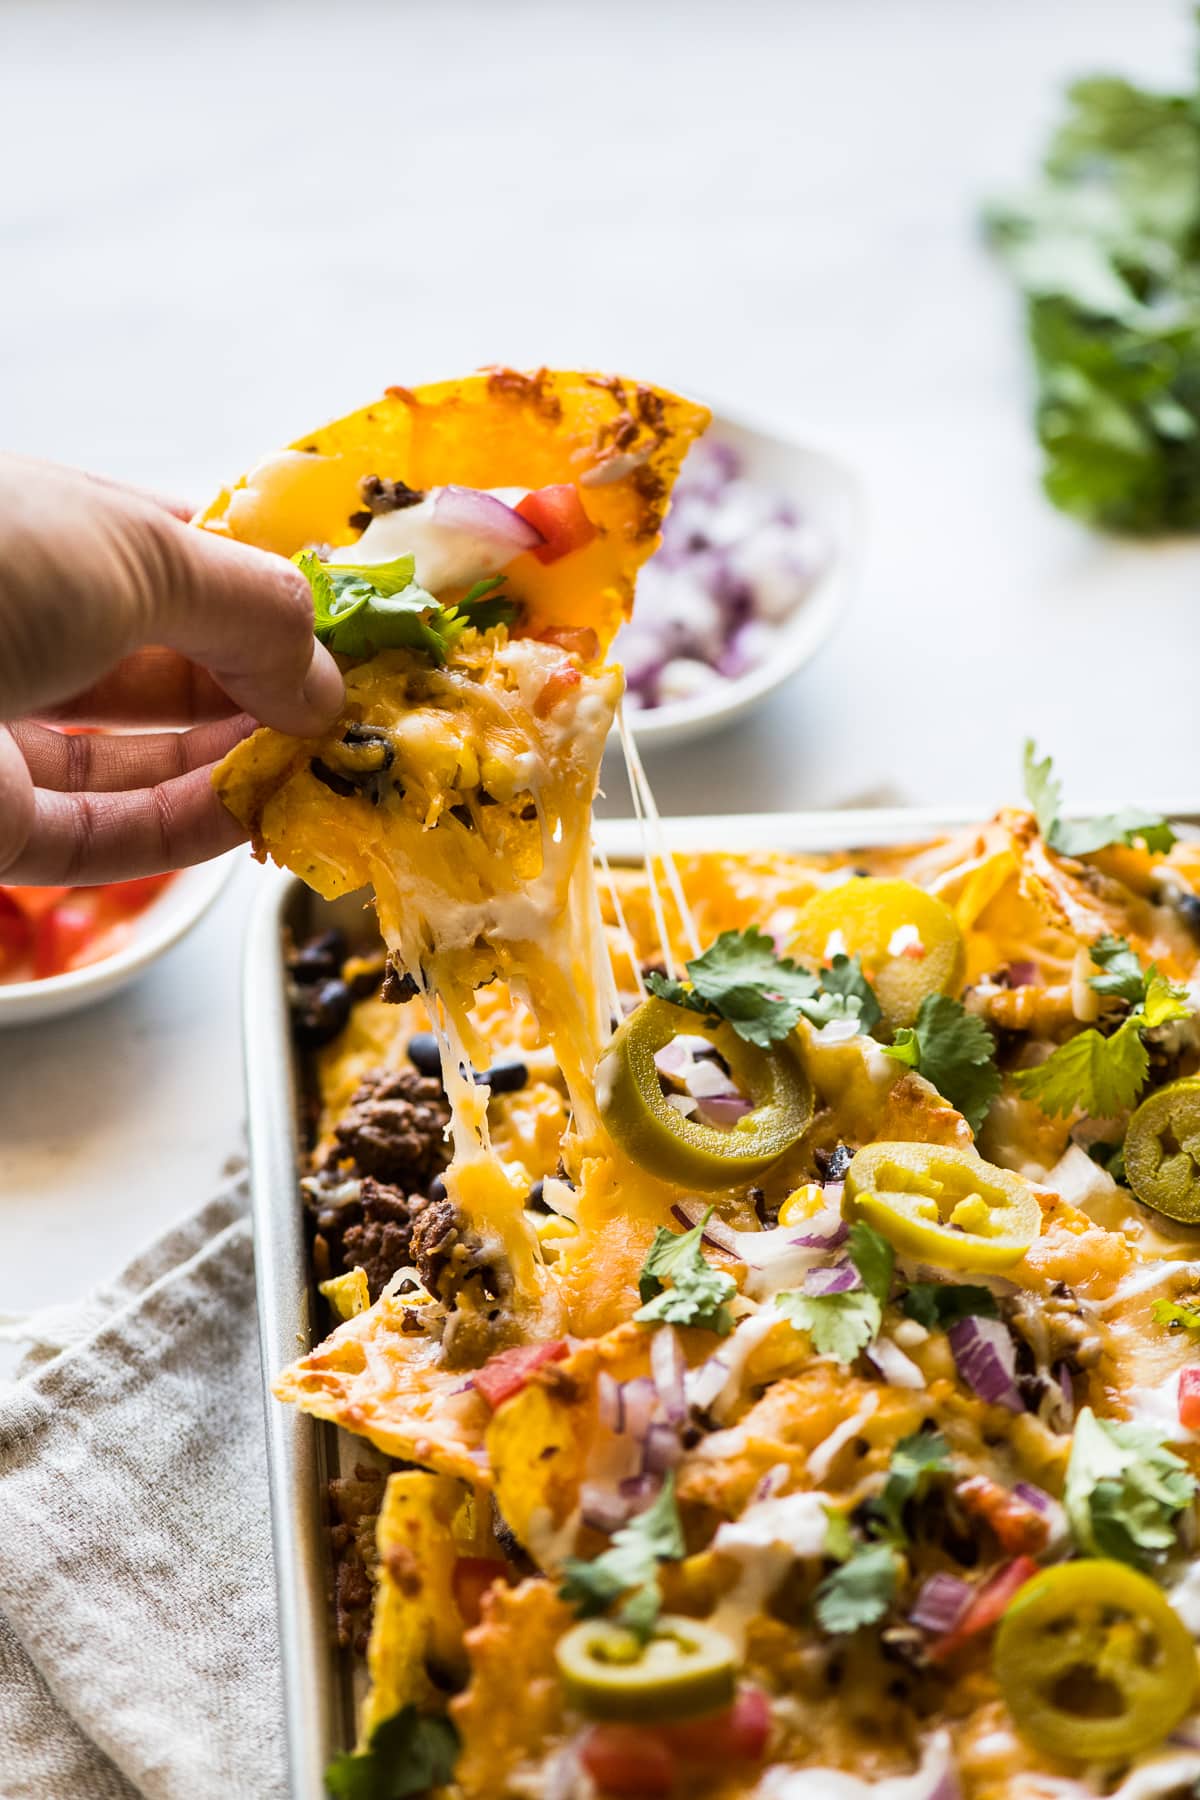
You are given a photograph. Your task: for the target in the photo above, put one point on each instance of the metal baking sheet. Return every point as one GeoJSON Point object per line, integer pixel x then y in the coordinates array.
{"type": "Point", "coordinates": [303, 1452]}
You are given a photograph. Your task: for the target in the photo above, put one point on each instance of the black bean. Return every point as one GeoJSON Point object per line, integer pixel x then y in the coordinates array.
{"type": "Point", "coordinates": [397, 988]}
{"type": "Point", "coordinates": [505, 1077]}
{"type": "Point", "coordinates": [534, 1198]}
{"type": "Point", "coordinates": [423, 1053]}
{"type": "Point", "coordinates": [329, 778]}
{"type": "Point", "coordinates": [1188, 906]}
{"type": "Point", "coordinates": [833, 1164]}
{"type": "Point", "coordinates": [321, 1011]}
{"type": "Point", "coordinates": [320, 958]}
{"type": "Point", "coordinates": [437, 1188]}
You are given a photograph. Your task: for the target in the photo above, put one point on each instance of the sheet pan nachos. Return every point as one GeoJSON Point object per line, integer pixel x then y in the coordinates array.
{"type": "Point", "coordinates": [764, 1288]}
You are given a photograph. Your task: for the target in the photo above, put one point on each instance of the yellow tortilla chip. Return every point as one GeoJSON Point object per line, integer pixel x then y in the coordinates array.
{"type": "Point", "coordinates": [416, 1621]}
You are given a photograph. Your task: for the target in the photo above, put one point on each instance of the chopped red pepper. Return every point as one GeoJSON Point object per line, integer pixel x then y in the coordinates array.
{"type": "Point", "coordinates": [1189, 1399]}
{"type": "Point", "coordinates": [557, 512]}
{"type": "Point", "coordinates": [62, 934]}
{"type": "Point", "coordinates": [472, 1578]}
{"type": "Point", "coordinates": [125, 897]}
{"type": "Point", "coordinates": [576, 640]}
{"type": "Point", "coordinates": [737, 1733]}
{"type": "Point", "coordinates": [986, 1609]}
{"type": "Point", "coordinates": [16, 933]}
{"type": "Point", "coordinates": [628, 1759]}
{"type": "Point", "coordinates": [557, 687]}
{"type": "Point", "coordinates": [506, 1373]}
{"type": "Point", "coordinates": [1019, 1528]}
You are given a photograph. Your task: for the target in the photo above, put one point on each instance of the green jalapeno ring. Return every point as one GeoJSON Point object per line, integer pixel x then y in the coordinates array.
{"type": "Point", "coordinates": [943, 1205]}
{"type": "Point", "coordinates": [1093, 1662]}
{"type": "Point", "coordinates": [1162, 1151]}
{"type": "Point", "coordinates": [685, 1669]}
{"type": "Point", "coordinates": [636, 1114]}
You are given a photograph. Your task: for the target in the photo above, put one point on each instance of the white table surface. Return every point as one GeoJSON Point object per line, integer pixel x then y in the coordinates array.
{"type": "Point", "coordinates": [220, 225]}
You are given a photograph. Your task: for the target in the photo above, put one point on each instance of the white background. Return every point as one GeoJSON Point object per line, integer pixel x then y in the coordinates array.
{"type": "Point", "coordinates": [222, 225]}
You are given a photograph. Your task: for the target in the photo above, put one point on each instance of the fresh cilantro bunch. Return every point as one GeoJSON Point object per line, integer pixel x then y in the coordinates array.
{"type": "Point", "coordinates": [863, 1588]}
{"type": "Point", "coordinates": [1043, 790]}
{"type": "Point", "coordinates": [955, 1051]}
{"type": "Point", "coordinates": [1100, 1075]}
{"type": "Point", "coordinates": [840, 1325]}
{"type": "Point", "coordinates": [698, 1295]}
{"type": "Point", "coordinates": [741, 980]}
{"type": "Point", "coordinates": [407, 1754]}
{"type": "Point", "coordinates": [629, 1566]}
{"type": "Point", "coordinates": [359, 609]}
{"type": "Point", "coordinates": [1124, 1490]}
{"type": "Point", "coordinates": [1104, 251]}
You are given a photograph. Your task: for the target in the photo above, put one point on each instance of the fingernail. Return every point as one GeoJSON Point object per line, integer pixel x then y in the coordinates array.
{"type": "Point", "coordinates": [323, 688]}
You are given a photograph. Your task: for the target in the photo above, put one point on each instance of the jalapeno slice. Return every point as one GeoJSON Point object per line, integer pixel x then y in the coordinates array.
{"type": "Point", "coordinates": [1093, 1663]}
{"type": "Point", "coordinates": [639, 1118]}
{"type": "Point", "coordinates": [945, 1206]}
{"type": "Point", "coordinates": [684, 1669]}
{"type": "Point", "coordinates": [909, 942]}
{"type": "Point", "coordinates": [1162, 1151]}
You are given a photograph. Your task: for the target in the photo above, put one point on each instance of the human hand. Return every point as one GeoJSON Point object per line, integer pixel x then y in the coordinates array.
{"type": "Point", "coordinates": [115, 612]}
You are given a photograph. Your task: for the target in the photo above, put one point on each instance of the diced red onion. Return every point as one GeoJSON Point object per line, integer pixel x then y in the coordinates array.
{"type": "Point", "coordinates": [941, 1603]}
{"type": "Point", "coordinates": [826, 1230]}
{"type": "Point", "coordinates": [603, 1508]}
{"type": "Point", "coordinates": [1022, 974]}
{"type": "Point", "coordinates": [1036, 1497]}
{"type": "Point", "coordinates": [662, 1449]}
{"type": "Point", "coordinates": [640, 1491]}
{"type": "Point", "coordinates": [608, 1401]}
{"type": "Point", "coordinates": [639, 1402]}
{"type": "Point", "coordinates": [481, 516]}
{"type": "Point", "coordinates": [673, 1059]}
{"type": "Point", "coordinates": [1062, 1375]}
{"type": "Point", "coordinates": [669, 1367]}
{"type": "Point", "coordinates": [835, 1278]}
{"type": "Point", "coordinates": [986, 1359]}
{"type": "Point", "coordinates": [761, 1249]}
{"type": "Point", "coordinates": [723, 1112]}
{"type": "Point", "coordinates": [776, 1477]}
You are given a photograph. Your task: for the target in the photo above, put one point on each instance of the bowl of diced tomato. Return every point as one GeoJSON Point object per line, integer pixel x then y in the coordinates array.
{"type": "Point", "coordinates": [62, 948]}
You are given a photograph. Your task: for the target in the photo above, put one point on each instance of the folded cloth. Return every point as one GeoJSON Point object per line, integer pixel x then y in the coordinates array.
{"type": "Point", "coordinates": [139, 1643]}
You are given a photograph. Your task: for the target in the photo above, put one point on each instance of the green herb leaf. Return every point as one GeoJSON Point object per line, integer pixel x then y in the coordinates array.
{"type": "Point", "coordinates": [860, 1592]}
{"type": "Point", "coordinates": [740, 979]}
{"type": "Point", "coordinates": [1099, 1075]}
{"type": "Point", "coordinates": [1124, 1490]}
{"type": "Point", "coordinates": [917, 1461]}
{"type": "Point", "coordinates": [630, 1562]}
{"type": "Point", "coordinates": [939, 1304]}
{"type": "Point", "coordinates": [1081, 836]}
{"type": "Point", "coordinates": [699, 1293]}
{"type": "Point", "coordinates": [840, 1325]}
{"type": "Point", "coordinates": [407, 1754]}
{"type": "Point", "coordinates": [839, 1539]}
{"type": "Point", "coordinates": [359, 609]}
{"type": "Point", "coordinates": [954, 1050]}
{"type": "Point", "coordinates": [1174, 1312]}
{"type": "Point", "coordinates": [1122, 978]}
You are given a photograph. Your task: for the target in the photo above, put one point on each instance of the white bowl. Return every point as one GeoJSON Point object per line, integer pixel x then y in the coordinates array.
{"type": "Point", "coordinates": [168, 918]}
{"type": "Point", "coordinates": [826, 494]}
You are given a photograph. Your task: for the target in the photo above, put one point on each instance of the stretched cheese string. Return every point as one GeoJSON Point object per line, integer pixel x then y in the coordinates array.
{"type": "Point", "coordinates": [655, 849]}
{"type": "Point", "coordinates": [626, 936]}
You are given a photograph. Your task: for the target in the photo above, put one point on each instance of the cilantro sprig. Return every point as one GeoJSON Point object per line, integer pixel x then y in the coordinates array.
{"type": "Point", "coordinates": [1080, 837]}
{"type": "Point", "coordinates": [361, 608]}
{"type": "Point", "coordinates": [629, 1566]}
{"type": "Point", "coordinates": [840, 1325]}
{"type": "Point", "coordinates": [863, 1588]}
{"type": "Point", "coordinates": [698, 1295]}
{"type": "Point", "coordinates": [937, 1305]}
{"type": "Point", "coordinates": [741, 980]}
{"type": "Point", "coordinates": [407, 1754]}
{"type": "Point", "coordinates": [954, 1050]}
{"type": "Point", "coordinates": [1100, 1075]}
{"type": "Point", "coordinates": [1124, 1490]}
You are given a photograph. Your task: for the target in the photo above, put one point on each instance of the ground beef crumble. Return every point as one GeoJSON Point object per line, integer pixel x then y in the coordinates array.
{"type": "Point", "coordinates": [395, 1128]}
{"type": "Point", "coordinates": [354, 1503]}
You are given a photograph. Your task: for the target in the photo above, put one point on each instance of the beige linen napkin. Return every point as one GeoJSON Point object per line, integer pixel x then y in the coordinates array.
{"type": "Point", "coordinates": [138, 1634]}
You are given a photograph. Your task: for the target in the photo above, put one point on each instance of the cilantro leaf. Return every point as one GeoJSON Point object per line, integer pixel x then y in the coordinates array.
{"type": "Point", "coordinates": [939, 1304]}
{"type": "Point", "coordinates": [361, 608]}
{"type": "Point", "coordinates": [954, 1050]}
{"type": "Point", "coordinates": [1081, 836]}
{"type": "Point", "coordinates": [698, 1294]}
{"type": "Point", "coordinates": [1122, 977]}
{"type": "Point", "coordinates": [407, 1754]}
{"type": "Point", "coordinates": [839, 1540]}
{"type": "Point", "coordinates": [1124, 1490]}
{"type": "Point", "coordinates": [1174, 1312]}
{"type": "Point", "coordinates": [1101, 1075]}
{"type": "Point", "coordinates": [630, 1562]}
{"type": "Point", "coordinates": [840, 1325]}
{"type": "Point", "coordinates": [1112, 1158]}
{"type": "Point", "coordinates": [860, 1592]}
{"type": "Point", "coordinates": [740, 979]}
{"type": "Point", "coordinates": [916, 1462]}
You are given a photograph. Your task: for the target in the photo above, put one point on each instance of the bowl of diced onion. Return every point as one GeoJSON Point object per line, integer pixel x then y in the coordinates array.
{"type": "Point", "coordinates": [753, 575]}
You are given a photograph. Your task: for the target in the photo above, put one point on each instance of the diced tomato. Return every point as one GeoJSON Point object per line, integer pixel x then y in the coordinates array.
{"type": "Point", "coordinates": [506, 1373]}
{"type": "Point", "coordinates": [556, 689]}
{"type": "Point", "coordinates": [557, 512]}
{"type": "Point", "coordinates": [1189, 1399]}
{"type": "Point", "coordinates": [16, 933]}
{"type": "Point", "coordinates": [63, 934]}
{"type": "Point", "coordinates": [1020, 1528]}
{"type": "Point", "coordinates": [576, 640]}
{"type": "Point", "coordinates": [125, 897]}
{"type": "Point", "coordinates": [628, 1759]}
{"type": "Point", "coordinates": [986, 1609]}
{"type": "Point", "coordinates": [737, 1734]}
{"type": "Point", "coordinates": [34, 901]}
{"type": "Point", "coordinates": [473, 1576]}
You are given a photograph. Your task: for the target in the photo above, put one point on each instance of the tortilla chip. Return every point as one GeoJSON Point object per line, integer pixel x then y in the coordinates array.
{"type": "Point", "coordinates": [417, 1622]}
